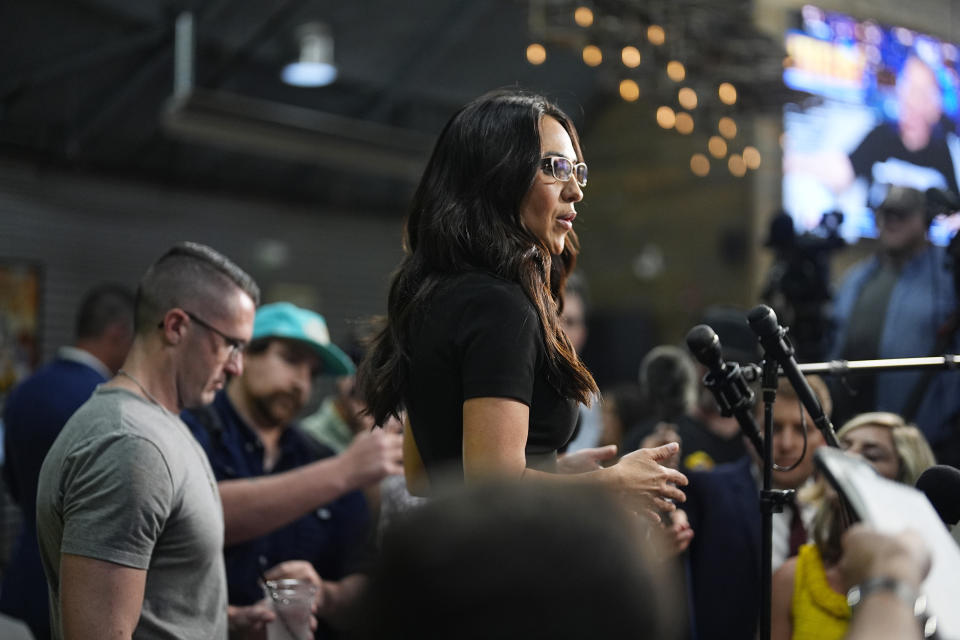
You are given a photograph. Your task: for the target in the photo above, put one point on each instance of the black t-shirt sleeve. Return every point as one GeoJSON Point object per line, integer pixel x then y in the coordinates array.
{"type": "Point", "coordinates": [875, 146]}
{"type": "Point", "coordinates": [498, 340]}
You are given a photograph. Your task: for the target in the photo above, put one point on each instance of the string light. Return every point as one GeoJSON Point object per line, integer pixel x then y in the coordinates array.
{"type": "Point", "coordinates": [727, 93]}
{"type": "Point", "coordinates": [684, 123]}
{"type": "Point", "coordinates": [727, 127]}
{"type": "Point", "coordinates": [751, 157]}
{"type": "Point", "coordinates": [666, 118]}
{"type": "Point", "coordinates": [676, 71]}
{"type": "Point", "coordinates": [631, 57]}
{"type": "Point", "coordinates": [629, 90]}
{"type": "Point", "coordinates": [536, 54]}
{"type": "Point", "coordinates": [736, 165]}
{"type": "Point", "coordinates": [583, 16]}
{"type": "Point", "coordinates": [717, 146]}
{"type": "Point", "coordinates": [687, 98]}
{"type": "Point", "coordinates": [699, 164]}
{"type": "Point", "coordinates": [592, 55]}
{"type": "Point", "coordinates": [656, 35]}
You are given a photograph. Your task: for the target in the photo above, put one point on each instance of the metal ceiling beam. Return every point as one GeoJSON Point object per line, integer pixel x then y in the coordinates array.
{"type": "Point", "coordinates": [293, 133]}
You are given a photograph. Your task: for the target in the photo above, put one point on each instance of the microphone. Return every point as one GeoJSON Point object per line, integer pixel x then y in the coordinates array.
{"type": "Point", "coordinates": [773, 337]}
{"type": "Point", "coordinates": [726, 381]}
{"type": "Point", "coordinates": [941, 484]}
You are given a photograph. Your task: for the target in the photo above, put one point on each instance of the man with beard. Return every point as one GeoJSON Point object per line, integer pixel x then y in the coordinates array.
{"type": "Point", "coordinates": [247, 432]}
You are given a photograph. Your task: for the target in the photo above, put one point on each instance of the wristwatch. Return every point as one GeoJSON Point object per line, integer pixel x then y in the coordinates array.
{"type": "Point", "coordinates": [907, 594]}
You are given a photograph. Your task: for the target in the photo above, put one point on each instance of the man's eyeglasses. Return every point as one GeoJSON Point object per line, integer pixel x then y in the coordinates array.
{"type": "Point", "coordinates": [563, 169]}
{"type": "Point", "coordinates": [235, 345]}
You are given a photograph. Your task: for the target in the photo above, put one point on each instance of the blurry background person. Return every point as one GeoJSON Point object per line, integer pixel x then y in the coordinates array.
{"type": "Point", "coordinates": [894, 305]}
{"type": "Point", "coordinates": [809, 590]}
{"type": "Point", "coordinates": [723, 507]}
{"type": "Point", "coordinates": [519, 561]}
{"type": "Point", "coordinates": [307, 505]}
{"type": "Point", "coordinates": [34, 415]}
{"type": "Point", "coordinates": [341, 416]}
{"type": "Point", "coordinates": [622, 407]}
{"type": "Point", "coordinates": [589, 429]}
{"type": "Point", "coordinates": [670, 386]}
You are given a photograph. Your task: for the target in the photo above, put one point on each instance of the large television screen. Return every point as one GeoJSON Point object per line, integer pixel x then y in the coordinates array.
{"type": "Point", "coordinates": [880, 108]}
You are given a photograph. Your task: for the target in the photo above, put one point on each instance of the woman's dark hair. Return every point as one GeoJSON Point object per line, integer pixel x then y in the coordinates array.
{"type": "Point", "coordinates": [465, 216]}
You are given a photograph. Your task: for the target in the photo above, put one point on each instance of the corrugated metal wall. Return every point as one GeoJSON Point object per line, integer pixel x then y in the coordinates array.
{"type": "Point", "coordinates": [85, 232]}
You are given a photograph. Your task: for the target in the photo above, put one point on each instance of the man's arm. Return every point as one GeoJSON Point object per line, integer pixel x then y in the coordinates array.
{"type": "Point", "coordinates": [99, 600]}
{"type": "Point", "coordinates": [253, 507]}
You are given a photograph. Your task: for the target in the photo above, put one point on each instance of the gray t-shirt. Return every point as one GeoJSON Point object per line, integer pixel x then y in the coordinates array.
{"type": "Point", "coordinates": [125, 482]}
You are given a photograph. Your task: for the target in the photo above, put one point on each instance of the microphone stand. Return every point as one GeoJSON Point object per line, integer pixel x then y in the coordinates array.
{"type": "Point", "coordinates": [771, 500]}
{"type": "Point", "coordinates": [948, 362]}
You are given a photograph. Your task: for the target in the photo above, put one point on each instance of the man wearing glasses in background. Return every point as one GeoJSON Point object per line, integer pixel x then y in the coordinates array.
{"type": "Point", "coordinates": [125, 489]}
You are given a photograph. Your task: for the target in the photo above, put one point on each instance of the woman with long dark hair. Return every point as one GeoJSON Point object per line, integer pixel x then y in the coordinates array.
{"type": "Point", "coordinates": [473, 349]}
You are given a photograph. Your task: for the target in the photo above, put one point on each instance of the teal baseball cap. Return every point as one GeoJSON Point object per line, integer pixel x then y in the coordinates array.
{"type": "Point", "coordinates": [286, 320]}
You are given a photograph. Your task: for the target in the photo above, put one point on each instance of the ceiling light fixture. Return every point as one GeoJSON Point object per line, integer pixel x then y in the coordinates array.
{"type": "Point", "coordinates": [314, 66]}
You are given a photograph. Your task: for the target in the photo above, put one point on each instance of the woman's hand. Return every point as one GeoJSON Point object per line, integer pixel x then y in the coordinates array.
{"type": "Point", "coordinates": [645, 483]}
{"type": "Point", "coordinates": [586, 459]}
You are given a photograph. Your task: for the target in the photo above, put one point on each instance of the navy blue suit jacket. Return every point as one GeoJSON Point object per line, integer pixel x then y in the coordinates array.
{"type": "Point", "coordinates": [723, 506]}
{"type": "Point", "coordinates": [33, 417]}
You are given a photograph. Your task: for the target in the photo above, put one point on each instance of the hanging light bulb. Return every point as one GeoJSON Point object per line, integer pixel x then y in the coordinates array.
{"type": "Point", "coordinates": [314, 66]}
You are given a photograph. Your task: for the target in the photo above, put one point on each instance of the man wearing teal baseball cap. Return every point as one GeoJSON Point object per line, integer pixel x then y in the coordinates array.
{"type": "Point", "coordinates": [307, 504]}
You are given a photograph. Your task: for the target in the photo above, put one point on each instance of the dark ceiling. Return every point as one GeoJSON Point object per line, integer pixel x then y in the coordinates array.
{"type": "Point", "coordinates": [86, 85]}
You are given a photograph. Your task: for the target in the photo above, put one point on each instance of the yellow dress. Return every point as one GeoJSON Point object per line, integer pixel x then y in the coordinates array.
{"type": "Point", "coordinates": [819, 612]}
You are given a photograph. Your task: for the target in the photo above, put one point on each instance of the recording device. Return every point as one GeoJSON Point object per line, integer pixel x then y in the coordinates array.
{"type": "Point", "coordinates": [798, 283]}
{"type": "Point", "coordinates": [773, 337]}
{"type": "Point", "coordinates": [941, 485]}
{"type": "Point", "coordinates": [726, 381]}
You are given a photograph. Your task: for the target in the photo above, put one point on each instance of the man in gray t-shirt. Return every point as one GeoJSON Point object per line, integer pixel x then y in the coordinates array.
{"type": "Point", "coordinates": [128, 484]}
{"type": "Point", "coordinates": [128, 513]}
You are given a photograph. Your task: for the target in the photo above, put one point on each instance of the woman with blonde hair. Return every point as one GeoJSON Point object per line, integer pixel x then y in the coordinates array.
{"type": "Point", "coordinates": [809, 595]}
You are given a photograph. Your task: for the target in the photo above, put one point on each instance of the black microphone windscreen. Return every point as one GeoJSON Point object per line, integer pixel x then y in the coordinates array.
{"type": "Point", "coordinates": [704, 344]}
{"type": "Point", "coordinates": [763, 321]}
{"type": "Point", "coordinates": [941, 485]}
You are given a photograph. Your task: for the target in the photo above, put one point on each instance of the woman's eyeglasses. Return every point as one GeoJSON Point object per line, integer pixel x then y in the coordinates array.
{"type": "Point", "coordinates": [562, 169]}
